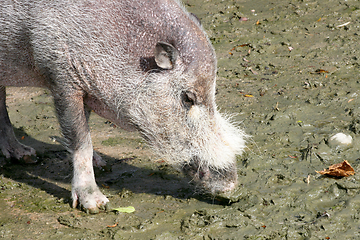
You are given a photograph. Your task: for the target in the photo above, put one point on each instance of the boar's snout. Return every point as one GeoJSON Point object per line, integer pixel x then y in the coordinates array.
{"type": "Point", "coordinates": [209, 179]}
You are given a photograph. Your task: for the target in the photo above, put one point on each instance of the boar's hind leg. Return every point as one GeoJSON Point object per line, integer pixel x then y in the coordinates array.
{"type": "Point", "coordinates": [9, 145]}
{"type": "Point", "coordinates": [73, 121]}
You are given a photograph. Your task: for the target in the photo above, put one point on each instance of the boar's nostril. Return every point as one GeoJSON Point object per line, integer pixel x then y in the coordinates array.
{"type": "Point", "coordinates": [202, 175]}
{"type": "Point", "coordinates": [188, 99]}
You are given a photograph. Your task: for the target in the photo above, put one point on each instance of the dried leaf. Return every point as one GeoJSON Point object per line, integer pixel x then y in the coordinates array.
{"type": "Point", "coordinates": [112, 226]}
{"type": "Point", "coordinates": [321, 71]}
{"type": "Point", "coordinates": [338, 170]}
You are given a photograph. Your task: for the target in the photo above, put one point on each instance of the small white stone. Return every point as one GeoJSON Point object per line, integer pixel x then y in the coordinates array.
{"type": "Point", "coordinates": [340, 140]}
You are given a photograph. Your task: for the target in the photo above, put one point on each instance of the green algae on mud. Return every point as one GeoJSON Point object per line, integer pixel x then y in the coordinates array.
{"type": "Point", "coordinates": [299, 60]}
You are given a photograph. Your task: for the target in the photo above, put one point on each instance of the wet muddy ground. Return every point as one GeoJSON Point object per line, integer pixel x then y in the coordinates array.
{"type": "Point", "coordinates": [289, 70]}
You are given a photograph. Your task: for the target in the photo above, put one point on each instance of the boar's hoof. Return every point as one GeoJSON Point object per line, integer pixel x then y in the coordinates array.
{"type": "Point", "coordinates": [18, 152]}
{"type": "Point", "coordinates": [27, 159]}
{"type": "Point", "coordinates": [89, 199]}
{"type": "Point", "coordinates": [98, 161]}
{"type": "Point", "coordinates": [107, 208]}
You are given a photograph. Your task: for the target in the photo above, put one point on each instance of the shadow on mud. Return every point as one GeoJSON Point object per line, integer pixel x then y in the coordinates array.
{"type": "Point", "coordinates": [53, 173]}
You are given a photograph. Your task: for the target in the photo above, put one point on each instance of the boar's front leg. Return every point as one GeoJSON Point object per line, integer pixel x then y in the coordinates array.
{"type": "Point", "coordinates": [97, 160]}
{"type": "Point", "coordinates": [73, 121]}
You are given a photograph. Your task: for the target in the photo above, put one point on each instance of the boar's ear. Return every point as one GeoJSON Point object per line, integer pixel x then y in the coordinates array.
{"type": "Point", "coordinates": [165, 55]}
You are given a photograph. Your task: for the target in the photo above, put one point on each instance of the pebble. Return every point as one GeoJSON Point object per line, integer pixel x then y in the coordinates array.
{"type": "Point", "coordinates": [340, 140]}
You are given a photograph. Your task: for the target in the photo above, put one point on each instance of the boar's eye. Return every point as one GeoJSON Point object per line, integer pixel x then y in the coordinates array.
{"type": "Point", "coordinates": [188, 99]}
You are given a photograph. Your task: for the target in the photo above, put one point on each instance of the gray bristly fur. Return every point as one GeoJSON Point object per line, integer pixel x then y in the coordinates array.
{"type": "Point", "coordinates": [100, 54]}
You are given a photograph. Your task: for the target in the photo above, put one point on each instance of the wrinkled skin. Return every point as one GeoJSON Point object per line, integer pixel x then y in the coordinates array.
{"type": "Point", "coordinates": [145, 65]}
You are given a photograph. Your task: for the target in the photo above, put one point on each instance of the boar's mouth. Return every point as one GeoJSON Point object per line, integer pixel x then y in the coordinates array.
{"type": "Point", "coordinates": [209, 179]}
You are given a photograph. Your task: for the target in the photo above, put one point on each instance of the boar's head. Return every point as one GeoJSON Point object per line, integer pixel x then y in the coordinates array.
{"type": "Point", "coordinates": [175, 112]}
